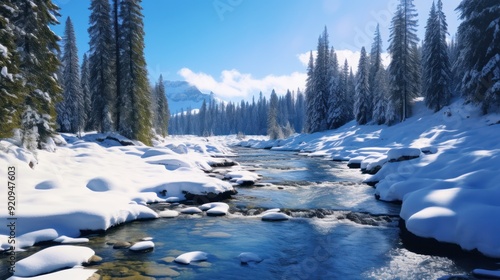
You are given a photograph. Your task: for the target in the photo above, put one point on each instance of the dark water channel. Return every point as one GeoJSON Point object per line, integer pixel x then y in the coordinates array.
{"type": "Point", "coordinates": [327, 247]}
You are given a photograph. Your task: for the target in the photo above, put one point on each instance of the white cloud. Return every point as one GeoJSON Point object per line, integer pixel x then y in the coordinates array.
{"type": "Point", "coordinates": [233, 85]}
{"type": "Point", "coordinates": [351, 56]}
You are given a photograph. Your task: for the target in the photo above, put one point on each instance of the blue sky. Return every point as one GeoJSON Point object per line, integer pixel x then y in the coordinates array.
{"type": "Point", "coordinates": [237, 48]}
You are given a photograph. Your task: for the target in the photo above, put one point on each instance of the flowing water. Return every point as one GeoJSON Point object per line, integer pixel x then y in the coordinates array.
{"type": "Point", "coordinates": [339, 232]}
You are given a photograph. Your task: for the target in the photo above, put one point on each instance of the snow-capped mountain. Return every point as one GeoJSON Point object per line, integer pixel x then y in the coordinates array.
{"type": "Point", "coordinates": [182, 96]}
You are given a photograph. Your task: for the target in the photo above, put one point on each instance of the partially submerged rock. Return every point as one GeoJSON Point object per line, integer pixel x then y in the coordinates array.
{"type": "Point", "coordinates": [195, 256]}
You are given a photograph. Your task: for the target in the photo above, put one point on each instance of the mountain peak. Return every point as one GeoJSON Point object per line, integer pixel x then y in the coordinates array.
{"type": "Point", "coordinates": [182, 96]}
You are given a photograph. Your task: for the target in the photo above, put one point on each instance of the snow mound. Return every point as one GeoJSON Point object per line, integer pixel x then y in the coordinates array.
{"type": "Point", "coordinates": [215, 208]}
{"type": "Point", "coordinates": [63, 239]}
{"type": "Point", "coordinates": [31, 238]}
{"type": "Point", "coordinates": [142, 246]}
{"type": "Point", "coordinates": [76, 273]}
{"type": "Point", "coordinates": [399, 154]}
{"type": "Point", "coordinates": [275, 216]}
{"type": "Point", "coordinates": [242, 177]}
{"type": "Point", "coordinates": [195, 256]}
{"type": "Point", "coordinates": [53, 259]}
{"type": "Point", "coordinates": [247, 257]}
{"type": "Point", "coordinates": [168, 214]}
{"type": "Point", "coordinates": [191, 210]}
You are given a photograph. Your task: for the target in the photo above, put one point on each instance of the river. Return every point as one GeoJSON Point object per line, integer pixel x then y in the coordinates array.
{"type": "Point", "coordinates": [339, 231]}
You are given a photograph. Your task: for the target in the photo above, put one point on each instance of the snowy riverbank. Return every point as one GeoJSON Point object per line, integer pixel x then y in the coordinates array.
{"type": "Point", "coordinates": [94, 183]}
{"type": "Point", "coordinates": [449, 191]}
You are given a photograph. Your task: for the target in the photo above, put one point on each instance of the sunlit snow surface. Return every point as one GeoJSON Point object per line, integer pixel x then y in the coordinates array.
{"type": "Point", "coordinates": [450, 192]}
{"type": "Point", "coordinates": [93, 184]}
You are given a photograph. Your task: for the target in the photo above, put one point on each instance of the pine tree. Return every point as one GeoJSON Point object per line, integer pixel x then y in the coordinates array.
{"type": "Point", "coordinates": [87, 97]}
{"type": "Point", "coordinates": [115, 14]}
{"type": "Point", "coordinates": [336, 115]}
{"type": "Point", "coordinates": [161, 110]}
{"type": "Point", "coordinates": [361, 100]}
{"type": "Point", "coordinates": [71, 111]}
{"type": "Point", "coordinates": [479, 38]}
{"type": "Point", "coordinates": [202, 118]}
{"type": "Point", "coordinates": [350, 94]}
{"type": "Point", "coordinates": [101, 70]}
{"type": "Point", "coordinates": [436, 64]}
{"type": "Point", "coordinates": [320, 100]}
{"type": "Point", "coordinates": [273, 128]}
{"type": "Point", "coordinates": [300, 111]}
{"type": "Point", "coordinates": [378, 80]}
{"type": "Point", "coordinates": [11, 92]}
{"type": "Point", "coordinates": [404, 70]}
{"type": "Point", "coordinates": [37, 46]}
{"type": "Point", "coordinates": [135, 114]}
{"type": "Point", "coordinates": [310, 93]}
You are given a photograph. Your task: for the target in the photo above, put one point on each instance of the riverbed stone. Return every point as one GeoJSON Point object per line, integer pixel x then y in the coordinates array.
{"type": "Point", "coordinates": [158, 270]}
{"type": "Point", "coordinates": [168, 259]}
{"type": "Point", "coordinates": [94, 259]}
{"type": "Point", "coordinates": [122, 245]}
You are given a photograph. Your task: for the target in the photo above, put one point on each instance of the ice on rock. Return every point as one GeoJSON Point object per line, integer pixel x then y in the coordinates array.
{"type": "Point", "coordinates": [53, 259]}
{"type": "Point", "coordinates": [195, 256]}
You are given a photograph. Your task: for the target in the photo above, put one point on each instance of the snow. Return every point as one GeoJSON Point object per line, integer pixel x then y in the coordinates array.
{"type": "Point", "coordinates": [69, 240]}
{"type": "Point", "coordinates": [76, 273]}
{"type": "Point", "coordinates": [168, 214]}
{"type": "Point", "coordinates": [397, 153]}
{"type": "Point", "coordinates": [191, 210]}
{"type": "Point", "coordinates": [142, 246]}
{"type": "Point", "coordinates": [449, 190]}
{"type": "Point", "coordinates": [215, 208]}
{"type": "Point", "coordinates": [241, 177]}
{"type": "Point", "coordinates": [195, 256]}
{"type": "Point", "coordinates": [29, 239]}
{"type": "Point", "coordinates": [247, 257]}
{"type": "Point", "coordinates": [275, 217]}
{"type": "Point", "coordinates": [92, 185]}
{"type": "Point", "coordinates": [53, 259]}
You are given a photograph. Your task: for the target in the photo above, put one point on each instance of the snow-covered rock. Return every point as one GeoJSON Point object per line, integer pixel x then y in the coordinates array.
{"type": "Point", "coordinates": [195, 256]}
{"type": "Point", "coordinates": [191, 210]}
{"type": "Point", "coordinates": [215, 208]}
{"type": "Point", "coordinates": [31, 238]}
{"type": "Point", "coordinates": [275, 216]}
{"type": "Point", "coordinates": [63, 239]}
{"type": "Point", "coordinates": [75, 273]}
{"type": "Point", "coordinates": [355, 162]}
{"type": "Point", "coordinates": [400, 154]}
{"type": "Point", "coordinates": [242, 177]}
{"type": "Point", "coordinates": [168, 214]}
{"type": "Point", "coordinates": [142, 246]}
{"type": "Point", "coordinates": [53, 259]}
